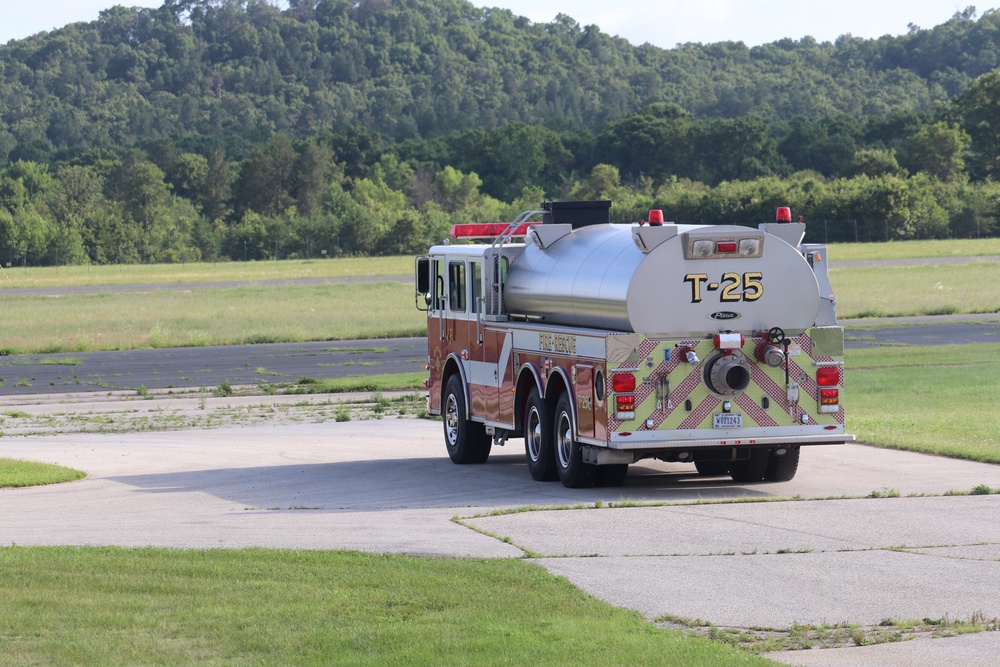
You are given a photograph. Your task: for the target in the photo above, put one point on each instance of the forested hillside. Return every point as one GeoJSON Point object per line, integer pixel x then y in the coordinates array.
{"type": "Point", "coordinates": [230, 128]}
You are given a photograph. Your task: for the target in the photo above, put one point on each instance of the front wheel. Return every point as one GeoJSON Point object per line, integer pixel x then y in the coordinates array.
{"type": "Point", "coordinates": [466, 440]}
{"type": "Point", "coordinates": [573, 472]}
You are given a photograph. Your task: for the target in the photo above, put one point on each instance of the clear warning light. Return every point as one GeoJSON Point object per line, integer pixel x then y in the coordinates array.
{"type": "Point", "coordinates": [749, 247]}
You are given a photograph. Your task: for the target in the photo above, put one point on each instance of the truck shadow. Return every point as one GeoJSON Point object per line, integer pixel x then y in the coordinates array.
{"type": "Point", "coordinates": [414, 483]}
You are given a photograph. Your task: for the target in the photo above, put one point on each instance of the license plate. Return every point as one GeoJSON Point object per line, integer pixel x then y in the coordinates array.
{"type": "Point", "coordinates": [727, 420]}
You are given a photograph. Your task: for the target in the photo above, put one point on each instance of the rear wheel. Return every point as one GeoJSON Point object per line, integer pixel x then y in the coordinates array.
{"type": "Point", "coordinates": [573, 472]}
{"type": "Point", "coordinates": [538, 450]}
{"type": "Point", "coordinates": [782, 468]}
{"type": "Point", "coordinates": [467, 441]}
{"type": "Point", "coordinates": [752, 469]}
{"type": "Point", "coordinates": [712, 468]}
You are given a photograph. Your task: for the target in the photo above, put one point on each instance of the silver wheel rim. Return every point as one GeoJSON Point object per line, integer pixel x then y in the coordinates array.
{"type": "Point", "coordinates": [534, 434]}
{"type": "Point", "coordinates": [564, 439]}
{"type": "Point", "coordinates": [451, 420]}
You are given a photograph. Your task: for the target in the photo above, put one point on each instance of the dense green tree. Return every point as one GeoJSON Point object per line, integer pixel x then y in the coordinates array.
{"type": "Point", "coordinates": [243, 129]}
{"type": "Point", "coordinates": [266, 178]}
{"type": "Point", "coordinates": [827, 145]}
{"type": "Point", "coordinates": [978, 111]}
{"type": "Point", "coordinates": [938, 150]}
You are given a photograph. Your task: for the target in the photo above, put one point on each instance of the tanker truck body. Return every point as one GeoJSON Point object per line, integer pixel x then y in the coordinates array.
{"type": "Point", "coordinates": [604, 344]}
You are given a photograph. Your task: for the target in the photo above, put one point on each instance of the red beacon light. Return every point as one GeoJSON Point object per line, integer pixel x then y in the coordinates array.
{"type": "Point", "coordinates": [655, 217]}
{"type": "Point", "coordinates": [784, 214]}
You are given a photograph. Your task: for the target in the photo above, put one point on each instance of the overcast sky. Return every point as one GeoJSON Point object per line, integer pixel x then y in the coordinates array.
{"type": "Point", "coordinates": [664, 23]}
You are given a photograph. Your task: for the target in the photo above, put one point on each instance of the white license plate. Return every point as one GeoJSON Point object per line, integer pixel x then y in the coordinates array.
{"type": "Point", "coordinates": [727, 420]}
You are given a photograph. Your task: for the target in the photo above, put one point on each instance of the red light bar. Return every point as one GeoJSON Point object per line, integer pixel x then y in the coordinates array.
{"type": "Point", "coordinates": [725, 246]}
{"type": "Point", "coordinates": [488, 230]}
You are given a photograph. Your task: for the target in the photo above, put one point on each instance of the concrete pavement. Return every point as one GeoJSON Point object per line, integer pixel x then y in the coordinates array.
{"type": "Point", "coordinates": [387, 486]}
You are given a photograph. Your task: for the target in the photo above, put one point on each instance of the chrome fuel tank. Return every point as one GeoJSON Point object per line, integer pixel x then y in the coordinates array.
{"type": "Point", "coordinates": [597, 276]}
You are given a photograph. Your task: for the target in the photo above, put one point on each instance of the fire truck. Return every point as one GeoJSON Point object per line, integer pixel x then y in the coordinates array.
{"type": "Point", "coordinates": [605, 344]}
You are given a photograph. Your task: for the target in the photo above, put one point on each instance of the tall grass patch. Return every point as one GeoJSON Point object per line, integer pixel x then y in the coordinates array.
{"type": "Point", "coordinates": [122, 607]}
{"type": "Point", "coordinates": [937, 399]}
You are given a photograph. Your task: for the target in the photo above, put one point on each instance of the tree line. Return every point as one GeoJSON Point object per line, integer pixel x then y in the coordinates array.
{"type": "Point", "coordinates": [207, 129]}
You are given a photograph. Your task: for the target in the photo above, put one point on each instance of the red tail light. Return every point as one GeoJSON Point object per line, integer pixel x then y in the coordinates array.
{"type": "Point", "coordinates": [623, 382]}
{"type": "Point", "coordinates": [725, 246]}
{"type": "Point", "coordinates": [829, 396]}
{"type": "Point", "coordinates": [828, 376]}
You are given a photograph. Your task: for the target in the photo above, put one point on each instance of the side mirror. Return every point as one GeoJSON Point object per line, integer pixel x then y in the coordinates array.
{"type": "Point", "coordinates": [423, 276]}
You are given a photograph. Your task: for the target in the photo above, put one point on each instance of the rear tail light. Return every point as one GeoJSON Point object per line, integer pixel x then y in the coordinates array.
{"type": "Point", "coordinates": [625, 406]}
{"type": "Point", "coordinates": [829, 400]}
{"type": "Point", "coordinates": [624, 385]}
{"type": "Point", "coordinates": [828, 376]}
{"type": "Point", "coordinates": [623, 382]}
{"type": "Point", "coordinates": [725, 246]}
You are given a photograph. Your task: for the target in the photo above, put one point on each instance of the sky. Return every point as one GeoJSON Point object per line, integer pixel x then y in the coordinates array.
{"type": "Point", "coordinates": [663, 23]}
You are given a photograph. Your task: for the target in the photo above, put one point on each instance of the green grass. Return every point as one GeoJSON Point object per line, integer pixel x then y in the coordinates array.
{"type": "Point", "coordinates": [120, 321]}
{"type": "Point", "coordinates": [109, 321]}
{"type": "Point", "coordinates": [938, 399]}
{"type": "Point", "coordinates": [110, 606]}
{"type": "Point", "coordinates": [15, 473]}
{"type": "Point", "coordinates": [911, 249]}
{"type": "Point", "coordinates": [917, 290]}
{"type": "Point", "coordinates": [152, 274]}
{"type": "Point", "coordinates": [292, 313]}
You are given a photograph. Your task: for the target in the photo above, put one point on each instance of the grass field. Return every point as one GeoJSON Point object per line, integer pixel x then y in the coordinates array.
{"type": "Point", "coordinates": [292, 313]}
{"type": "Point", "coordinates": [154, 274]}
{"type": "Point", "coordinates": [181, 318]}
{"type": "Point", "coordinates": [937, 399]}
{"type": "Point", "coordinates": [910, 249]}
{"type": "Point", "coordinates": [895, 291]}
{"type": "Point", "coordinates": [69, 606]}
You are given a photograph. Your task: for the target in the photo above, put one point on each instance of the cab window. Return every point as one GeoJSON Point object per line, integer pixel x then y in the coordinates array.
{"type": "Point", "coordinates": [475, 285]}
{"type": "Point", "coordinates": [456, 286]}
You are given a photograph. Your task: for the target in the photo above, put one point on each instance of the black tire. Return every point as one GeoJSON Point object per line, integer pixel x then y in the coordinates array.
{"type": "Point", "coordinates": [782, 468]}
{"type": "Point", "coordinates": [712, 468]}
{"type": "Point", "coordinates": [611, 475]}
{"type": "Point", "coordinates": [751, 470]}
{"type": "Point", "coordinates": [538, 450]}
{"type": "Point", "coordinates": [573, 472]}
{"type": "Point", "coordinates": [467, 441]}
